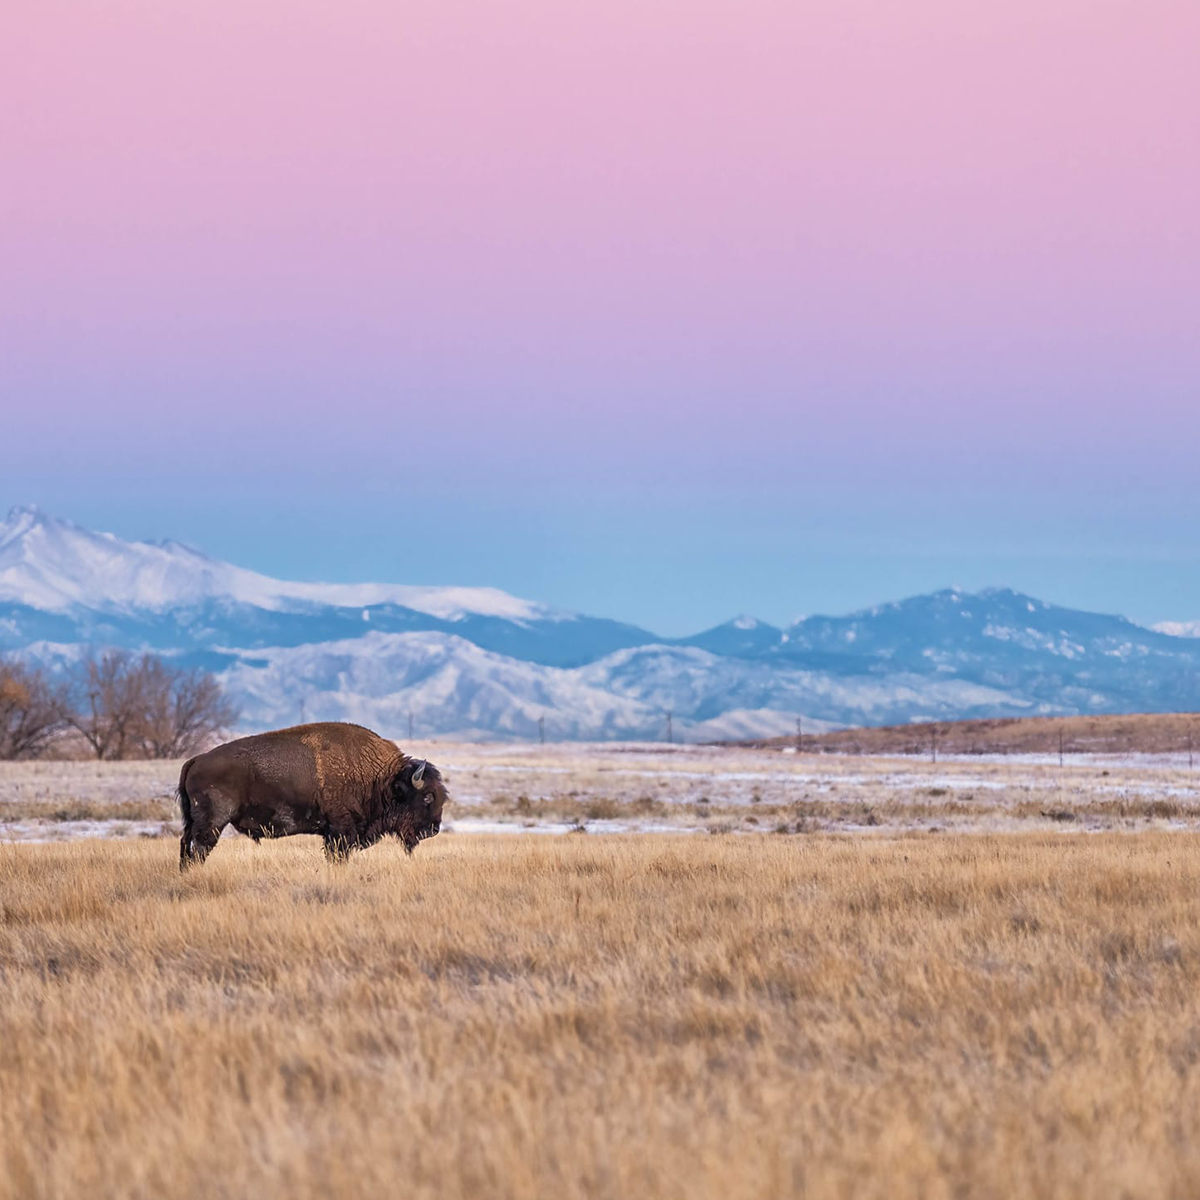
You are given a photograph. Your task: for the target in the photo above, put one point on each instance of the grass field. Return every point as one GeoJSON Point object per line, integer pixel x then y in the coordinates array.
{"type": "Point", "coordinates": [739, 1016]}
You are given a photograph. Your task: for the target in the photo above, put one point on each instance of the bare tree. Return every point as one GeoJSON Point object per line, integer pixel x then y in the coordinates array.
{"type": "Point", "coordinates": [130, 707]}
{"type": "Point", "coordinates": [31, 710]}
{"type": "Point", "coordinates": [106, 702]}
{"type": "Point", "coordinates": [183, 710]}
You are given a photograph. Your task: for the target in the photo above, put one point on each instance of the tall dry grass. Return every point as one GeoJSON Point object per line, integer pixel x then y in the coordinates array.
{"type": "Point", "coordinates": [932, 1016]}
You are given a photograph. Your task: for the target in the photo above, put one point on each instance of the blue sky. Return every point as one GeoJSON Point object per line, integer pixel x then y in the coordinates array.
{"type": "Point", "coordinates": [677, 533]}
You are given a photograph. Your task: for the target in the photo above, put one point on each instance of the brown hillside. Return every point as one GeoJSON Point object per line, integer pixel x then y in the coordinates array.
{"type": "Point", "coordinates": [1131, 733]}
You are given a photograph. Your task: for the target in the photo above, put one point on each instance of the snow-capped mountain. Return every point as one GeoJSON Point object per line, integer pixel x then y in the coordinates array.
{"type": "Point", "coordinates": [480, 662]}
{"type": "Point", "coordinates": [56, 566]}
{"type": "Point", "coordinates": [1058, 659]}
{"type": "Point", "coordinates": [743, 637]}
{"type": "Point", "coordinates": [62, 583]}
{"type": "Point", "coordinates": [453, 686]}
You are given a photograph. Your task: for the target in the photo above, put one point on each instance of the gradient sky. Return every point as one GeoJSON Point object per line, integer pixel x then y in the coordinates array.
{"type": "Point", "coordinates": [661, 310]}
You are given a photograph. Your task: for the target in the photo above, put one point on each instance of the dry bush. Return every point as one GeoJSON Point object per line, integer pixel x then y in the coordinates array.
{"type": "Point", "coordinates": [582, 1017]}
{"type": "Point", "coordinates": [31, 711]}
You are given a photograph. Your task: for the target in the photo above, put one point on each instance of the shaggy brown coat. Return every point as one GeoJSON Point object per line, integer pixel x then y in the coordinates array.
{"type": "Point", "coordinates": [337, 780]}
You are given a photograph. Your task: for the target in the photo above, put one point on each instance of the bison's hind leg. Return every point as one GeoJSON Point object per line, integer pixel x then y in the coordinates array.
{"type": "Point", "coordinates": [208, 814]}
{"type": "Point", "coordinates": [201, 846]}
{"type": "Point", "coordinates": [185, 843]}
{"type": "Point", "coordinates": [188, 851]}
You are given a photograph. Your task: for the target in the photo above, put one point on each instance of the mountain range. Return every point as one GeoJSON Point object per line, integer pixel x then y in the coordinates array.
{"type": "Point", "coordinates": [478, 662]}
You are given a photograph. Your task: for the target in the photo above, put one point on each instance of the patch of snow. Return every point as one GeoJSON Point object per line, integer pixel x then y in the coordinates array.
{"type": "Point", "coordinates": [632, 825]}
{"type": "Point", "coordinates": [40, 831]}
{"type": "Point", "coordinates": [1179, 629]}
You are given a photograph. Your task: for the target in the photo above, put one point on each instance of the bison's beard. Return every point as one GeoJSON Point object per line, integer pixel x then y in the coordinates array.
{"type": "Point", "coordinates": [411, 834]}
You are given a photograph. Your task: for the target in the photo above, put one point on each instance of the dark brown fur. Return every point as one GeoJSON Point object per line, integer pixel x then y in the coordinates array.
{"type": "Point", "coordinates": [340, 781]}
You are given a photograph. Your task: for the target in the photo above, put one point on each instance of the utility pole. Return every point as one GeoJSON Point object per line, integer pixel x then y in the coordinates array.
{"type": "Point", "coordinates": [670, 739]}
{"type": "Point", "coordinates": [799, 735]}
{"type": "Point", "coordinates": [542, 730]}
{"type": "Point", "coordinates": [933, 741]}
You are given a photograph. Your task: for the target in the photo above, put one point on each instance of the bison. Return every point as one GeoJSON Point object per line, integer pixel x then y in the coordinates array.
{"type": "Point", "coordinates": [337, 780]}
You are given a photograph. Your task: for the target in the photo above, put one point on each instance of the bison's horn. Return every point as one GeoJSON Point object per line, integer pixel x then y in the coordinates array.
{"type": "Point", "coordinates": [418, 776]}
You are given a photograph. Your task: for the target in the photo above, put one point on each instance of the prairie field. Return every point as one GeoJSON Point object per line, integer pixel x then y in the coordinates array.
{"type": "Point", "coordinates": [898, 1014]}
{"type": "Point", "coordinates": [622, 788]}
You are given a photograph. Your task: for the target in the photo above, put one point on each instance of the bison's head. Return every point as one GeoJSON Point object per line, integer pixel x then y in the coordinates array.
{"type": "Point", "coordinates": [419, 795]}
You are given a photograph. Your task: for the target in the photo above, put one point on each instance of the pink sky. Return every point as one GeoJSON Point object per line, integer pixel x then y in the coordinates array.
{"type": "Point", "coordinates": [783, 177]}
{"type": "Point", "coordinates": [877, 226]}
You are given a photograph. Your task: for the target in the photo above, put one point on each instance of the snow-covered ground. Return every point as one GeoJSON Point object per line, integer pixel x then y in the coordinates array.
{"type": "Point", "coordinates": [602, 788]}
{"type": "Point", "coordinates": [72, 831]}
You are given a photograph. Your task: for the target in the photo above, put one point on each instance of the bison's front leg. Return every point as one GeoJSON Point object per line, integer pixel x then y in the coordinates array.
{"type": "Point", "coordinates": [339, 843]}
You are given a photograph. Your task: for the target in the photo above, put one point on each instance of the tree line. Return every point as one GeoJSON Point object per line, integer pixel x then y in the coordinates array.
{"type": "Point", "coordinates": [113, 705]}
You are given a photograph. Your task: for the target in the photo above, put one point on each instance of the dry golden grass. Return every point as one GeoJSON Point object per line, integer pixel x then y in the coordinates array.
{"type": "Point", "coordinates": [928, 1016]}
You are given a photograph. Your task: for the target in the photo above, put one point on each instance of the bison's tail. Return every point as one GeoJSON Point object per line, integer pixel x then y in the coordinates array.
{"type": "Point", "coordinates": [185, 810]}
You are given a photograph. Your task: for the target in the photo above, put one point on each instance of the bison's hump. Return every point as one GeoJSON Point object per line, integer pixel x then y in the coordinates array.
{"type": "Point", "coordinates": [321, 754]}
